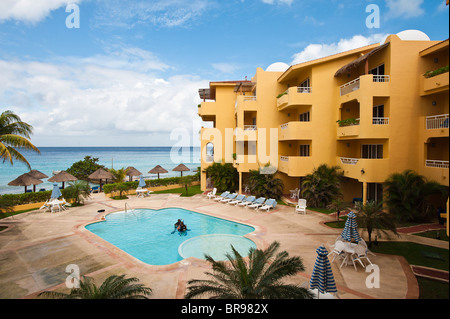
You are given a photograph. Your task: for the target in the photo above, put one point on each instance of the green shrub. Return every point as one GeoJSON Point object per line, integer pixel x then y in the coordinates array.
{"type": "Point", "coordinates": [348, 122]}
{"type": "Point", "coordinates": [441, 70]}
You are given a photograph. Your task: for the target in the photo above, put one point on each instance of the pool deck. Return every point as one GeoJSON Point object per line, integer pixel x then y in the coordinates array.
{"type": "Point", "coordinates": [38, 246]}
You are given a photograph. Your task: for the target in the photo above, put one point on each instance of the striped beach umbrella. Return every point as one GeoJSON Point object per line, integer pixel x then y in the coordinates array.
{"type": "Point", "coordinates": [56, 193]}
{"type": "Point", "coordinates": [350, 231]}
{"type": "Point", "coordinates": [142, 182]}
{"type": "Point", "coordinates": [322, 277]}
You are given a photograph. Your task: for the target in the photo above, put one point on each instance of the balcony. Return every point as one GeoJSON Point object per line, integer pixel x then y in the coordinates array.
{"type": "Point", "coordinates": [435, 84]}
{"type": "Point", "coordinates": [247, 133]}
{"type": "Point", "coordinates": [295, 130]}
{"type": "Point", "coordinates": [245, 103]}
{"type": "Point", "coordinates": [295, 96]}
{"type": "Point", "coordinates": [365, 85]}
{"type": "Point", "coordinates": [207, 111]}
{"type": "Point", "coordinates": [295, 166]}
{"type": "Point", "coordinates": [436, 170]}
{"type": "Point", "coordinates": [373, 170]}
{"type": "Point", "coordinates": [437, 122]}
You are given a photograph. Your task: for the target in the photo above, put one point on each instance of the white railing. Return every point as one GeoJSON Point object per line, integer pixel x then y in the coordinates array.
{"type": "Point", "coordinates": [438, 164]}
{"type": "Point", "coordinates": [250, 98]}
{"type": "Point", "coordinates": [381, 78]}
{"type": "Point", "coordinates": [209, 158]}
{"type": "Point", "coordinates": [249, 127]}
{"type": "Point", "coordinates": [437, 121]}
{"type": "Point", "coordinates": [284, 158]}
{"type": "Point", "coordinates": [303, 89]}
{"type": "Point", "coordinates": [284, 126]}
{"type": "Point", "coordinates": [350, 87]}
{"type": "Point", "coordinates": [350, 161]}
{"type": "Point", "coordinates": [380, 120]}
{"type": "Point", "coordinates": [354, 85]}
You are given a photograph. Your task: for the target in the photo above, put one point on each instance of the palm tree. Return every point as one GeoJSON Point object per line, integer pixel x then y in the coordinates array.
{"type": "Point", "coordinates": [114, 287]}
{"type": "Point", "coordinates": [78, 190]}
{"type": "Point", "coordinates": [338, 205]}
{"type": "Point", "coordinates": [119, 174]}
{"type": "Point", "coordinates": [372, 217]}
{"type": "Point", "coordinates": [224, 176]}
{"type": "Point", "coordinates": [322, 186]}
{"type": "Point", "coordinates": [259, 278]}
{"type": "Point", "coordinates": [265, 185]}
{"type": "Point", "coordinates": [14, 134]}
{"type": "Point", "coordinates": [407, 195]}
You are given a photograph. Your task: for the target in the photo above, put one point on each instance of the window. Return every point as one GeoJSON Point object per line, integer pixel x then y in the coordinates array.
{"type": "Point", "coordinates": [372, 151]}
{"type": "Point", "coordinates": [209, 153]}
{"type": "Point", "coordinates": [304, 150]}
{"type": "Point", "coordinates": [304, 87]}
{"type": "Point", "coordinates": [378, 115]}
{"type": "Point", "coordinates": [374, 192]}
{"type": "Point", "coordinates": [304, 117]}
{"type": "Point", "coordinates": [379, 70]}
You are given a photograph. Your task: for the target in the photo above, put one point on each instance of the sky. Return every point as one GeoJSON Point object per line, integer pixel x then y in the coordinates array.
{"type": "Point", "coordinates": [127, 72]}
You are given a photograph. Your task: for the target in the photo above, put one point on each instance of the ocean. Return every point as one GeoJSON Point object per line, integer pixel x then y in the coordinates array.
{"type": "Point", "coordinates": [61, 158]}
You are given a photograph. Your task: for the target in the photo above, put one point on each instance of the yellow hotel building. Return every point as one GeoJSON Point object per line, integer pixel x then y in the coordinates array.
{"type": "Point", "coordinates": [370, 110]}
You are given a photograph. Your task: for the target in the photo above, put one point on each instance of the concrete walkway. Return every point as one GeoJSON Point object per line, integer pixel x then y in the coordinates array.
{"type": "Point", "coordinates": [37, 247]}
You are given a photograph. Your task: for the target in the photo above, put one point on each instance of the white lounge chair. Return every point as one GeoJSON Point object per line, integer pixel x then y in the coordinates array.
{"type": "Point", "coordinates": [294, 193]}
{"type": "Point", "coordinates": [64, 204]}
{"type": "Point", "coordinates": [268, 205]}
{"type": "Point", "coordinates": [237, 200]}
{"type": "Point", "coordinates": [360, 253]}
{"type": "Point", "coordinates": [222, 196]}
{"type": "Point", "coordinates": [247, 201]}
{"type": "Point", "coordinates": [45, 206]}
{"type": "Point", "coordinates": [301, 207]}
{"type": "Point", "coordinates": [212, 194]}
{"type": "Point", "coordinates": [229, 198]}
{"type": "Point", "coordinates": [257, 203]}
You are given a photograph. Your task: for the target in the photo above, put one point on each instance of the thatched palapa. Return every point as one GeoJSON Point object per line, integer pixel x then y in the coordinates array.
{"type": "Point", "coordinates": [181, 168]}
{"type": "Point", "coordinates": [25, 180]}
{"type": "Point", "coordinates": [158, 170]}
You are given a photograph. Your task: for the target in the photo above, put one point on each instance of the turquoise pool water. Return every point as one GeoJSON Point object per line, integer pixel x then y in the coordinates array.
{"type": "Point", "coordinates": [149, 235]}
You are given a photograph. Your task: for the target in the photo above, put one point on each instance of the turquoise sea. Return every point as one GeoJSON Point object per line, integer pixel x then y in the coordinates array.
{"type": "Point", "coordinates": [61, 158]}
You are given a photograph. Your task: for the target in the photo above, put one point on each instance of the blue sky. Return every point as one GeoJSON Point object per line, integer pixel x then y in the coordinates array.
{"type": "Point", "coordinates": [129, 75]}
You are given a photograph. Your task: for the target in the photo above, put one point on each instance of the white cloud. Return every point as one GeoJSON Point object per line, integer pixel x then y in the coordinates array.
{"type": "Point", "coordinates": [31, 11]}
{"type": "Point", "coordinates": [227, 68]}
{"type": "Point", "coordinates": [90, 104]}
{"type": "Point", "coordinates": [288, 2]}
{"type": "Point", "coordinates": [167, 13]}
{"type": "Point", "coordinates": [316, 51]}
{"type": "Point", "coordinates": [404, 8]}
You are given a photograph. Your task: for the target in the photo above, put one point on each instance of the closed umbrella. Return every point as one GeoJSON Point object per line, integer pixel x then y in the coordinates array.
{"type": "Point", "coordinates": [322, 277]}
{"type": "Point", "coordinates": [181, 168]}
{"type": "Point", "coordinates": [101, 174]}
{"type": "Point", "coordinates": [142, 182]}
{"type": "Point", "coordinates": [25, 180]}
{"type": "Point", "coordinates": [56, 193]}
{"type": "Point", "coordinates": [350, 232]}
{"type": "Point", "coordinates": [62, 177]}
{"type": "Point", "coordinates": [158, 170]}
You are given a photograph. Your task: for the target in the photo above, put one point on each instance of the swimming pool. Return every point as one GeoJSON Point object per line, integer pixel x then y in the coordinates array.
{"type": "Point", "coordinates": [149, 235]}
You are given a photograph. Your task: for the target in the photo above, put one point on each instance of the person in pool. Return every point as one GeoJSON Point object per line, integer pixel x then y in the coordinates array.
{"type": "Point", "coordinates": [182, 227]}
{"type": "Point", "coordinates": [178, 223]}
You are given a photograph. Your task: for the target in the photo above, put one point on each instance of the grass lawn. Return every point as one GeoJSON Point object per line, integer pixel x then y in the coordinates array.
{"type": "Point", "coordinates": [192, 190]}
{"type": "Point", "coordinates": [433, 234]}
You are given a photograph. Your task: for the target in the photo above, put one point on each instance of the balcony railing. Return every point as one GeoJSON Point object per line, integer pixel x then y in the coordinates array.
{"type": "Point", "coordinates": [355, 84]}
{"type": "Point", "coordinates": [435, 163]}
{"type": "Point", "coordinates": [350, 161]}
{"type": "Point", "coordinates": [437, 121]}
{"type": "Point", "coordinates": [250, 98]}
{"type": "Point", "coordinates": [380, 120]}
{"type": "Point", "coordinates": [250, 127]}
{"type": "Point", "coordinates": [284, 158]}
{"type": "Point", "coordinates": [303, 89]}
{"type": "Point", "coordinates": [350, 87]}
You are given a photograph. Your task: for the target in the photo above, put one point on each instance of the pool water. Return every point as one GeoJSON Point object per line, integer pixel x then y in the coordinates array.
{"type": "Point", "coordinates": [149, 235]}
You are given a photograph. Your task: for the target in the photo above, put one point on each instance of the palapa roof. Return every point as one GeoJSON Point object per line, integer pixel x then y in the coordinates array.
{"type": "Point", "coordinates": [62, 176]}
{"type": "Point", "coordinates": [101, 174]}
{"type": "Point", "coordinates": [131, 171]}
{"type": "Point", "coordinates": [158, 170]}
{"type": "Point", "coordinates": [181, 168]}
{"type": "Point", "coordinates": [37, 174]}
{"type": "Point", "coordinates": [356, 63]}
{"type": "Point", "coordinates": [25, 180]}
